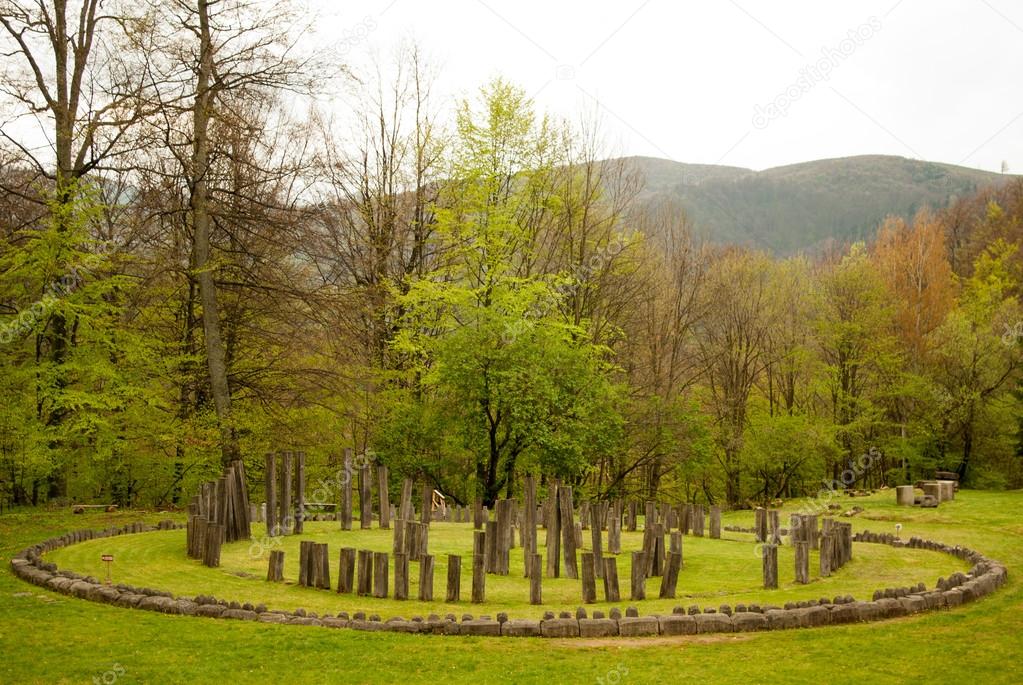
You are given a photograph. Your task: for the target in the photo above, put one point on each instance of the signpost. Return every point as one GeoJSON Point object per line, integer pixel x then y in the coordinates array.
{"type": "Point", "coordinates": [108, 558]}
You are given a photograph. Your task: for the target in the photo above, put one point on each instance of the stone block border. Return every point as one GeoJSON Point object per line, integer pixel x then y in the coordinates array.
{"type": "Point", "coordinates": [985, 576]}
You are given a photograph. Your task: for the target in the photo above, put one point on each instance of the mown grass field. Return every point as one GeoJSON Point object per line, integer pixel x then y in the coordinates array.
{"type": "Point", "coordinates": [47, 637]}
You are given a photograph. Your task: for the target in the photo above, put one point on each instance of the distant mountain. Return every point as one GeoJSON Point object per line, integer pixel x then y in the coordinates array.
{"type": "Point", "coordinates": [807, 206]}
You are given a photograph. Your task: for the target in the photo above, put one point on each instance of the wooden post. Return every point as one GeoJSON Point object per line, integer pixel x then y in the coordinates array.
{"type": "Point", "coordinates": [426, 578]}
{"type": "Point", "coordinates": [479, 579]}
{"type": "Point", "coordinates": [365, 579]}
{"type": "Point", "coordinates": [827, 551]}
{"type": "Point", "coordinates": [553, 532]}
{"type": "Point", "coordinates": [270, 478]}
{"type": "Point", "coordinates": [399, 544]}
{"type": "Point", "coordinates": [670, 578]}
{"type": "Point", "coordinates": [275, 572]}
{"type": "Point", "coordinates": [384, 496]}
{"type": "Point", "coordinates": [303, 562]}
{"type": "Point", "coordinates": [323, 558]}
{"type": "Point", "coordinates": [802, 563]}
{"type": "Point", "coordinates": [697, 520]}
{"type": "Point", "coordinates": [300, 493]}
{"type": "Point", "coordinates": [568, 545]}
{"type": "Point", "coordinates": [631, 518]}
{"type": "Point", "coordinates": [454, 578]}
{"type": "Point", "coordinates": [400, 575]}
{"type": "Point", "coordinates": [380, 574]}
{"type": "Point", "coordinates": [426, 515]}
{"type": "Point", "coordinates": [611, 589]}
{"type": "Point", "coordinates": [639, 566]}
{"type": "Point", "coordinates": [529, 523]}
{"type": "Point", "coordinates": [589, 578]}
{"type": "Point", "coordinates": [365, 498]}
{"type": "Point", "coordinates": [774, 518]}
{"type": "Point", "coordinates": [346, 570]}
{"type": "Point", "coordinates": [287, 521]}
{"type": "Point", "coordinates": [491, 551]}
{"type": "Point", "coordinates": [760, 524]}
{"type": "Point", "coordinates": [477, 513]}
{"type": "Point", "coordinates": [770, 557]}
{"type": "Point", "coordinates": [614, 532]}
{"type": "Point", "coordinates": [346, 491]}
{"type": "Point", "coordinates": [597, 511]}
{"type": "Point", "coordinates": [405, 510]}
{"type": "Point", "coordinates": [715, 523]}
{"type": "Point", "coordinates": [535, 578]}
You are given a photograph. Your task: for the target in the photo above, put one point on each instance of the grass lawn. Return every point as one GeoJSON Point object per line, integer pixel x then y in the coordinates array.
{"type": "Point", "coordinates": [46, 637]}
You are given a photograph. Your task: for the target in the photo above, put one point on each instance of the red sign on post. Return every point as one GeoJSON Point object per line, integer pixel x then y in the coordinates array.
{"type": "Point", "coordinates": [107, 557]}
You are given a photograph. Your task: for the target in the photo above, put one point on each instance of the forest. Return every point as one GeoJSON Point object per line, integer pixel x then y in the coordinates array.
{"type": "Point", "coordinates": [199, 262]}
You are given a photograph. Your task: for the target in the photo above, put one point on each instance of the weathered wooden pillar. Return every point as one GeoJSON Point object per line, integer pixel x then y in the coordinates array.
{"type": "Point", "coordinates": [715, 523]}
{"type": "Point", "coordinates": [553, 532]}
{"type": "Point", "coordinates": [323, 558]}
{"type": "Point", "coordinates": [304, 552]}
{"type": "Point", "coordinates": [597, 511]}
{"type": "Point", "coordinates": [827, 551]}
{"type": "Point", "coordinates": [275, 571]}
{"type": "Point", "coordinates": [760, 524]}
{"type": "Point", "coordinates": [649, 514]}
{"type": "Point", "coordinates": [612, 592]}
{"type": "Point", "coordinates": [670, 578]}
{"type": "Point", "coordinates": [568, 541]}
{"type": "Point", "coordinates": [426, 578]}
{"type": "Point", "coordinates": [400, 575]}
{"type": "Point", "coordinates": [904, 495]}
{"type": "Point", "coordinates": [365, 577]}
{"type": "Point", "coordinates": [589, 582]}
{"type": "Point", "coordinates": [454, 592]}
{"type": "Point", "coordinates": [774, 519]}
{"type": "Point", "coordinates": [299, 492]}
{"type": "Point", "coordinates": [212, 541]}
{"type": "Point", "coordinates": [346, 491]}
{"type": "Point", "coordinates": [287, 520]}
{"type": "Point", "coordinates": [477, 513]}
{"type": "Point", "coordinates": [503, 526]}
{"type": "Point", "coordinates": [770, 558]}
{"type": "Point", "coordinates": [380, 574]}
{"type": "Point", "coordinates": [384, 496]}
{"type": "Point", "coordinates": [802, 563]}
{"type": "Point", "coordinates": [638, 577]}
{"type": "Point", "coordinates": [490, 553]}
{"type": "Point", "coordinates": [535, 565]}
{"type": "Point", "coordinates": [270, 478]}
{"type": "Point", "coordinates": [426, 515]}
{"type": "Point", "coordinates": [698, 520]}
{"type": "Point", "coordinates": [528, 523]}
{"type": "Point", "coordinates": [614, 532]}
{"type": "Point", "coordinates": [630, 523]}
{"type": "Point", "coordinates": [479, 579]}
{"type": "Point", "coordinates": [346, 570]}
{"type": "Point", "coordinates": [365, 498]}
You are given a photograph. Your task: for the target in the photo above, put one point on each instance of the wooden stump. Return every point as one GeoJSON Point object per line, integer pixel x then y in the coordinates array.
{"type": "Point", "coordinates": [304, 548]}
{"type": "Point", "coordinates": [380, 574]}
{"type": "Point", "coordinates": [639, 567]}
{"type": "Point", "coordinates": [454, 592]}
{"type": "Point", "coordinates": [346, 570]}
{"type": "Point", "coordinates": [670, 578]}
{"type": "Point", "coordinates": [802, 563]}
{"type": "Point", "coordinates": [426, 578]}
{"type": "Point", "coordinates": [528, 523]}
{"type": "Point", "coordinates": [697, 520]}
{"type": "Point", "coordinates": [597, 512]}
{"type": "Point", "coordinates": [612, 592]}
{"type": "Point", "coordinates": [212, 541]}
{"type": "Point", "coordinates": [400, 575]}
{"type": "Point", "coordinates": [589, 578]}
{"type": "Point", "coordinates": [770, 559]}
{"type": "Point", "coordinates": [535, 578]}
{"type": "Point", "coordinates": [323, 558]}
{"type": "Point", "coordinates": [275, 571]}
{"type": "Point", "coordinates": [491, 549]}
{"type": "Point", "coordinates": [904, 495]}
{"type": "Point", "coordinates": [827, 550]}
{"type": "Point", "coordinates": [479, 579]}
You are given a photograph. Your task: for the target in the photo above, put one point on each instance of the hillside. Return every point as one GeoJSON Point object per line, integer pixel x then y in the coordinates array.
{"type": "Point", "coordinates": [806, 206]}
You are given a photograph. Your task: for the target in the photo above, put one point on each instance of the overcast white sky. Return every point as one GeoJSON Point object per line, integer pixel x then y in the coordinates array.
{"type": "Point", "coordinates": [935, 80]}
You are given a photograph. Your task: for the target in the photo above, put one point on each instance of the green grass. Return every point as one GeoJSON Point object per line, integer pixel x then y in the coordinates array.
{"type": "Point", "coordinates": [46, 637]}
{"type": "Point", "coordinates": [726, 571]}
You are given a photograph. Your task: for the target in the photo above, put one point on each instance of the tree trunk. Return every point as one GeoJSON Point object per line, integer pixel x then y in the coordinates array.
{"type": "Point", "coordinates": [216, 357]}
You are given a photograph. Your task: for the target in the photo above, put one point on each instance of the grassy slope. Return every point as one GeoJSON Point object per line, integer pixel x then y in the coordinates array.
{"type": "Point", "coordinates": [51, 638]}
